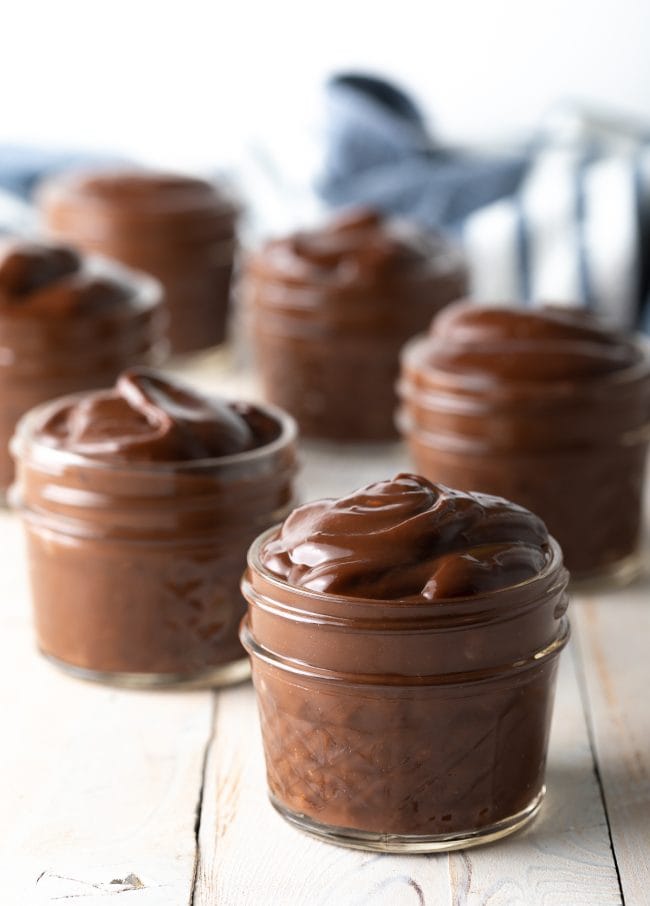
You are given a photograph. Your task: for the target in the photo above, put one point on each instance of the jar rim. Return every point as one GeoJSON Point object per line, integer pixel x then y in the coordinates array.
{"type": "Point", "coordinates": [54, 456]}
{"type": "Point", "coordinates": [554, 564]}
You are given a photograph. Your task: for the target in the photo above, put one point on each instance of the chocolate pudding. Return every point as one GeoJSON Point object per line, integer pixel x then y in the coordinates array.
{"type": "Point", "coordinates": [404, 643]}
{"type": "Point", "coordinates": [178, 228]}
{"type": "Point", "coordinates": [67, 323]}
{"type": "Point", "coordinates": [329, 310]}
{"type": "Point", "coordinates": [546, 407]}
{"type": "Point", "coordinates": [139, 505]}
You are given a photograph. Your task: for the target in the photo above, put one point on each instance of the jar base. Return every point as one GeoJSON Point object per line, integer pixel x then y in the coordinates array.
{"type": "Point", "coordinates": [407, 843]}
{"type": "Point", "coordinates": [616, 575]}
{"type": "Point", "coordinates": [213, 677]}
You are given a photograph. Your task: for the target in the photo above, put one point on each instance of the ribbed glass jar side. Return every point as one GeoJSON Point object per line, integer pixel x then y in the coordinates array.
{"type": "Point", "coordinates": [330, 355]}
{"type": "Point", "coordinates": [188, 242]}
{"type": "Point", "coordinates": [135, 568]}
{"type": "Point", "coordinates": [573, 452]}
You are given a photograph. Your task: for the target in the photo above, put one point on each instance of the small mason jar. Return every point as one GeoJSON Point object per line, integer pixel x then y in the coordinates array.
{"type": "Point", "coordinates": [405, 727]}
{"type": "Point", "coordinates": [135, 567]}
{"type": "Point", "coordinates": [179, 228]}
{"type": "Point", "coordinates": [572, 451]}
{"type": "Point", "coordinates": [46, 353]}
{"type": "Point", "coordinates": [328, 311]}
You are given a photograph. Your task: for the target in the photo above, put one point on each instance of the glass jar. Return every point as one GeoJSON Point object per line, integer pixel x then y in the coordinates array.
{"type": "Point", "coordinates": [45, 354]}
{"type": "Point", "coordinates": [401, 726]}
{"type": "Point", "coordinates": [135, 567]}
{"type": "Point", "coordinates": [328, 311]}
{"type": "Point", "coordinates": [572, 451]}
{"type": "Point", "coordinates": [178, 228]}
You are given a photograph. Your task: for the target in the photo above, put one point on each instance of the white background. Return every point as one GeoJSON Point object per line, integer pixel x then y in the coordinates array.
{"type": "Point", "coordinates": [187, 82]}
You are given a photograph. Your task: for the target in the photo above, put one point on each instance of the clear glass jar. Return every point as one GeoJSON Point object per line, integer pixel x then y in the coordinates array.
{"type": "Point", "coordinates": [327, 324]}
{"type": "Point", "coordinates": [178, 228]}
{"type": "Point", "coordinates": [135, 568]}
{"type": "Point", "coordinates": [572, 451]}
{"type": "Point", "coordinates": [405, 727]}
{"type": "Point", "coordinates": [43, 356]}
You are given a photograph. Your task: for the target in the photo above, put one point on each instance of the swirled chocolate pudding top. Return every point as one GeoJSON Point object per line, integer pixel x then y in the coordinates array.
{"type": "Point", "coordinates": [497, 344]}
{"type": "Point", "coordinates": [358, 248]}
{"type": "Point", "coordinates": [408, 539]}
{"type": "Point", "coordinates": [49, 280]}
{"type": "Point", "coordinates": [148, 417]}
{"type": "Point", "coordinates": [137, 192]}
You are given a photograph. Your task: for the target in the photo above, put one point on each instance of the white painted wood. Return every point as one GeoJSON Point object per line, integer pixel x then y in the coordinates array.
{"type": "Point", "coordinates": [613, 635]}
{"type": "Point", "coordinates": [98, 787]}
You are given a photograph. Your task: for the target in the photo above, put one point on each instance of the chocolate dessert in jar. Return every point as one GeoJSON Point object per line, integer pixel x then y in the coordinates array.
{"type": "Point", "coordinates": [139, 504]}
{"type": "Point", "coordinates": [329, 309]}
{"type": "Point", "coordinates": [179, 228]}
{"type": "Point", "coordinates": [404, 644]}
{"type": "Point", "coordinates": [546, 407]}
{"type": "Point", "coordinates": [68, 323]}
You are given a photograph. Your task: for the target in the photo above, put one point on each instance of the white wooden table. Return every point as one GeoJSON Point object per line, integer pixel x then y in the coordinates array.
{"type": "Point", "coordinates": [160, 797]}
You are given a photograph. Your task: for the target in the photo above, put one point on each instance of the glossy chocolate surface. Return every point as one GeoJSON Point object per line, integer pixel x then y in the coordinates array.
{"type": "Point", "coordinates": [67, 323]}
{"type": "Point", "coordinates": [408, 539]}
{"type": "Point", "coordinates": [179, 228]}
{"type": "Point", "coordinates": [546, 407]}
{"type": "Point", "coordinates": [404, 643]}
{"type": "Point", "coordinates": [329, 309]}
{"type": "Point", "coordinates": [148, 418]}
{"type": "Point", "coordinates": [49, 280]}
{"type": "Point", "coordinates": [357, 250]}
{"type": "Point", "coordinates": [139, 504]}
{"type": "Point", "coordinates": [505, 345]}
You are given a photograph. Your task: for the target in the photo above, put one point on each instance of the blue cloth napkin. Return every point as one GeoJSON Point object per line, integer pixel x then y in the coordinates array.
{"type": "Point", "coordinates": [564, 219]}
{"type": "Point", "coordinates": [379, 152]}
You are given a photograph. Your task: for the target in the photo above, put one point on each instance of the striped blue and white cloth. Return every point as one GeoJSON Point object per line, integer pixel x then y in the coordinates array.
{"type": "Point", "coordinates": [565, 219]}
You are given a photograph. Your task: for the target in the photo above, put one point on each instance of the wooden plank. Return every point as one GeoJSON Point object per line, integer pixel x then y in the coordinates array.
{"type": "Point", "coordinates": [249, 855]}
{"type": "Point", "coordinates": [613, 634]}
{"type": "Point", "coordinates": [98, 787]}
{"type": "Point", "coordinates": [324, 476]}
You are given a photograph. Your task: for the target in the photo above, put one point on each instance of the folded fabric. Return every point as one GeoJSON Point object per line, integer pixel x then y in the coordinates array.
{"type": "Point", "coordinates": [378, 151]}
{"type": "Point", "coordinates": [565, 219]}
